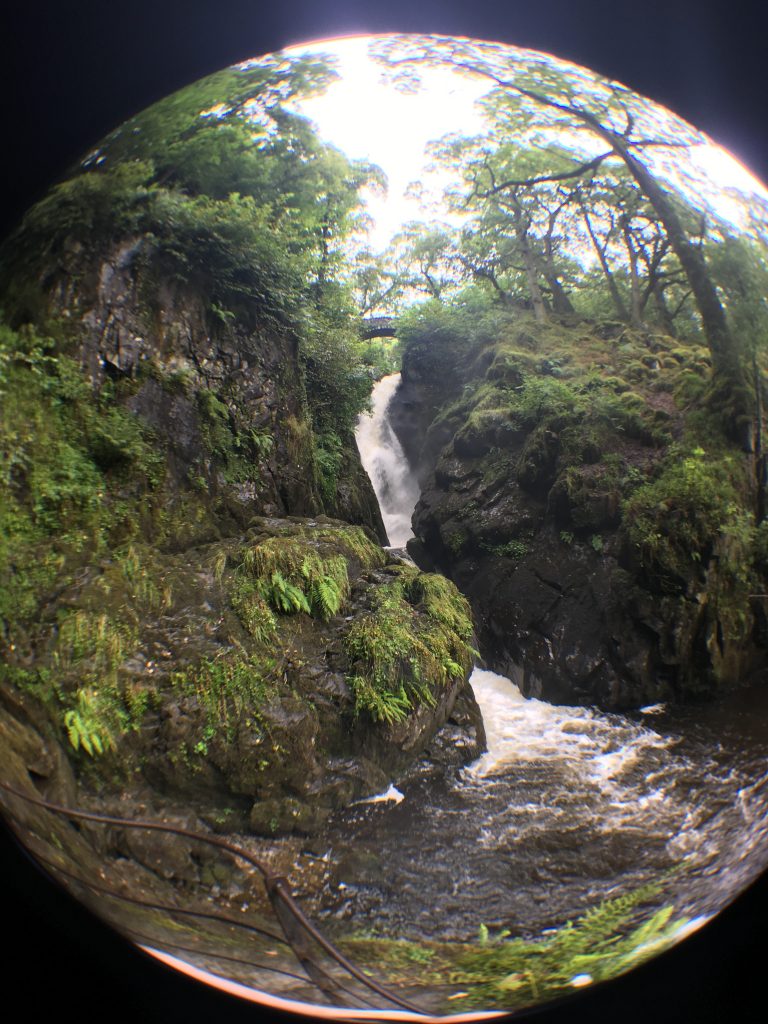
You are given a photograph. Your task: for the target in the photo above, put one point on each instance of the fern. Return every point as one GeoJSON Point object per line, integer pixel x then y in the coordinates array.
{"type": "Point", "coordinates": [285, 596]}
{"type": "Point", "coordinates": [327, 584]}
{"type": "Point", "coordinates": [293, 576]}
{"type": "Point", "coordinates": [508, 974]}
{"type": "Point", "coordinates": [327, 596]}
{"type": "Point", "coordinates": [387, 706]}
{"type": "Point", "coordinates": [90, 724]}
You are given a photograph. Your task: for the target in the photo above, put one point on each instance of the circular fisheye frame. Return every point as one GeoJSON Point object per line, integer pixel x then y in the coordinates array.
{"type": "Point", "coordinates": [385, 556]}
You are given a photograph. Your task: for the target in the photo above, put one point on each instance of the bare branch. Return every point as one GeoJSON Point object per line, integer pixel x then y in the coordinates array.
{"type": "Point", "coordinates": [578, 172]}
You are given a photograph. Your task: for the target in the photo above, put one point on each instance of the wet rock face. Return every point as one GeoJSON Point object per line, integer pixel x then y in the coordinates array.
{"type": "Point", "coordinates": [561, 626]}
{"type": "Point", "coordinates": [301, 749]}
{"type": "Point", "coordinates": [555, 617]}
{"type": "Point", "coordinates": [526, 518]}
{"type": "Point", "coordinates": [223, 395]}
{"type": "Point", "coordinates": [217, 694]}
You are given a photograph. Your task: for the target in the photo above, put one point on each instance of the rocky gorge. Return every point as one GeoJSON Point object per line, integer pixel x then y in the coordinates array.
{"type": "Point", "coordinates": [207, 649]}
{"type": "Point", "coordinates": [210, 625]}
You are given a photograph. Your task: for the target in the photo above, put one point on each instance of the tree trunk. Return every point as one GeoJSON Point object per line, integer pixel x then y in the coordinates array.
{"type": "Point", "coordinates": [618, 302]}
{"type": "Point", "coordinates": [665, 317]}
{"type": "Point", "coordinates": [560, 301]}
{"type": "Point", "coordinates": [731, 394]}
{"type": "Point", "coordinates": [529, 262]}
{"type": "Point", "coordinates": [531, 273]}
{"type": "Point", "coordinates": [634, 280]}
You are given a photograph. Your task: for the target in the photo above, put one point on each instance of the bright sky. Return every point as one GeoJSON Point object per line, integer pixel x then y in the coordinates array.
{"type": "Point", "coordinates": [370, 119]}
{"type": "Point", "coordinates": [367, 118]}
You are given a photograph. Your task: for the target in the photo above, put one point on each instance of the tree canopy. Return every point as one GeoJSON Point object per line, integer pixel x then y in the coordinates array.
{"type": "Point", "coordinates": [576, 184]}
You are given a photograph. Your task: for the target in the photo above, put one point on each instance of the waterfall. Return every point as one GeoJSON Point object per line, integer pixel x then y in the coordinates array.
{"type": "Point", "coordinates": [384, 461]}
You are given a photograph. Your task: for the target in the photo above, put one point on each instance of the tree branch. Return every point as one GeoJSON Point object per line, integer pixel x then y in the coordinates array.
{"type": "Point", "coordinates": [578, 172]}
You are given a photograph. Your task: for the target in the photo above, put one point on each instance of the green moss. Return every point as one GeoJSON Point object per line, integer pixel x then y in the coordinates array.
{"type": "Point", "coordinates": [230, 689]}
{"type": "Point", "coordinates": [298, 568]}
{"type": "Point", "coordinates": [95, 716]}
{"type": "Point", "coordinates": [239, 451]}
{"type": "Point", "coordinates": [74, 466]}
{"type": "Point", "coordinates": [353, 542]}
{"type": "Point", "coordinates": [675, 521]}
{"type": "Point", "coordinates": [252, 609]}
{"type": "Point", "coordinates": [292, 576]}
{"type": "Point", "coordinates": [184, 519]}
{"type": "Point", "coordinates": [328, 457]}
{"type": "Point", "coordinates": [300, 443]}
{"type": "Point", "coordinates": [140, 571]}
{"type": "Point", "coordinates": [514, 549]}
{"type": "Point", "coordinates": [414, 641]}
{"type": "Point", "coordinates": [455, 540]}
{"type": "Point", "coordinates": [90, 701]}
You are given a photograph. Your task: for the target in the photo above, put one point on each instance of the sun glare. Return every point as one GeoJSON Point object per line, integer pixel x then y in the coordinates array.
{"type": "Point", "coordinates": [368, 118]}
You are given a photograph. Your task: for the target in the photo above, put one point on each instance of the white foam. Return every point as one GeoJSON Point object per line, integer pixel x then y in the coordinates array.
{"type": "Point", "coordinates": [392, 793]}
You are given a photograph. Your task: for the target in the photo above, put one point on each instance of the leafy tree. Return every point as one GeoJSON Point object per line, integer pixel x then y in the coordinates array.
{"type": "Point", "coordinates": [740, 268]}
{"type": "Point", "coordinates": [541, 99]}
{"type": "Point", "coordinates": [375, 284]}
{"type": "Point", "coordinates": [424, 260]}
{"type": "Point", "coordinates": [234, 193]}
{"type": "Point", "coordinates": [193, 136]}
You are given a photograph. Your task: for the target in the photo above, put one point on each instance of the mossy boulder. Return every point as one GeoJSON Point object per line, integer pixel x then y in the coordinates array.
{"type": "Point", "coordinates": [281, 673]}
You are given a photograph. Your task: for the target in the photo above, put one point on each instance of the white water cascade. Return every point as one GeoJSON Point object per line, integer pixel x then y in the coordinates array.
{"type": "Point", "coordinates": [383, 459]}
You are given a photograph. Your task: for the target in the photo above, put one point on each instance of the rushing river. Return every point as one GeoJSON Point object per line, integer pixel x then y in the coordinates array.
{"type": "Point", "coordinates": [568, 806]}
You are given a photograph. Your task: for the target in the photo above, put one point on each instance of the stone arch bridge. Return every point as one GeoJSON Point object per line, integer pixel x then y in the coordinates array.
{"type": "Point", "coordinates": [378, 326]}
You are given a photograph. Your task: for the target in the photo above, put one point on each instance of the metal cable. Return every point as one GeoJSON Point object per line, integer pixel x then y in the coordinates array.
{"type": "Point", "coordinates": [287, 911]}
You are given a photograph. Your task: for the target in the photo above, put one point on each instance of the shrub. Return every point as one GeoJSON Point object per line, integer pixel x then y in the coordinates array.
{"type": "Point", "coordinates": [674, 520]}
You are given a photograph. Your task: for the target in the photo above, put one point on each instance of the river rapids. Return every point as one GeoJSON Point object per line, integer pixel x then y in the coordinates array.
{"type": "Point", "coordinates": [569, 806]}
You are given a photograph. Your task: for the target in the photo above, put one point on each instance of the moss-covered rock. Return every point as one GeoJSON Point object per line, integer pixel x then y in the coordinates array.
{"type": "Point", "coordinates": [240, 673]}
{"type": "Point", "coordinates": [603, 531]}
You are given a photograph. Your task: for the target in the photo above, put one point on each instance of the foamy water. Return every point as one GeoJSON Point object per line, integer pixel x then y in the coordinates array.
{"type": "Point", "coordinates": [601, 747]}
{"type": "Point", "coordinates": [568, 806]}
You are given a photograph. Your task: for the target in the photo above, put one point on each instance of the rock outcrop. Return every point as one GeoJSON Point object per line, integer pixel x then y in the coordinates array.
{"type": "Point", "coordinates": [189, 634]}
{"type": "Point", "coordinates": [190, 682]}
{"type": "Point", "coordinates": [538, 502]}
{"type": "Point", "coordinates": [223, 395]}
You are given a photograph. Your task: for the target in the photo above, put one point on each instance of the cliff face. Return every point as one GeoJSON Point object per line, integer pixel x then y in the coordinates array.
{"type": "Point", "coordinates": [223, 395]}
{"type": "Point", "coordinates": [567, 497]}
{"type": "Point", "coordinates": [183, 618]}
